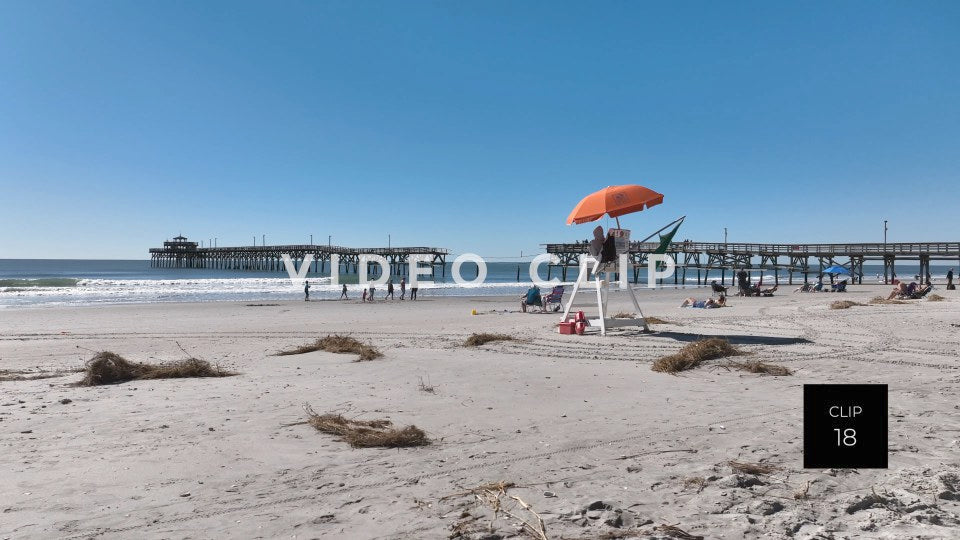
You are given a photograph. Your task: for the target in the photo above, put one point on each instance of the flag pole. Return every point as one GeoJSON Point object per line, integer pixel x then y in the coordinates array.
{"type": "Point", "coordinates": [665, 227]}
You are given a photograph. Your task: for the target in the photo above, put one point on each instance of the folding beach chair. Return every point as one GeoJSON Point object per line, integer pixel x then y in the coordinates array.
{"type": "Point", "coordinates": [915, 292]}
{"type": "Point", "coordinates": [555, 297]}
{"type": "Point", "coordinates": [746, 289]}
{"type": "Point", "coordinates": [920, 293]}
{"type": "Point", "coordinates": [839, 287]}
{"type": "Point", "coordinates": [717, 288]}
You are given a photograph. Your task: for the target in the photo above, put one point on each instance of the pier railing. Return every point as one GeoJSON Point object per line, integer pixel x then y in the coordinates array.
{"type": "Point", "coordinates": [183, 254]}
{"type": "Point", "coordinates": [946, 249]}
{"type": "Point", "coordinates": [803, 259]}
{"type": "Point", "coordinates": [310, 248]}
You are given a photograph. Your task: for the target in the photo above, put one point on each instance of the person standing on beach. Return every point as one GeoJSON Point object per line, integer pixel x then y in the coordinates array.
{"type": "Point", "coordinates": [364, 299]}
{"type": "Point", "coordinates": [413, 293]}
{"type": "Point", "coordinates": [306, 291]}
{"type": "Point", "coordinates": [950, 285]}
{"type": "Point", "coordinates": [373, 291]}
{"type": "Point", "coordinates": [403, 287]}
{"type": "Point", "coordinates": [390, 290]}
{"type": "Point", "coordinates": [343, 293]}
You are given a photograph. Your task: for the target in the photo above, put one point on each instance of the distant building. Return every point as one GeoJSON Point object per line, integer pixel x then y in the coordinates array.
{"type": "Point", "coordinates": [180, 243]}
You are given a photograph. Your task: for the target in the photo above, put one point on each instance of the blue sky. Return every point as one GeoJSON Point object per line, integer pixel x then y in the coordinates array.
{"type": "Point", "coordinates": [471, 125]}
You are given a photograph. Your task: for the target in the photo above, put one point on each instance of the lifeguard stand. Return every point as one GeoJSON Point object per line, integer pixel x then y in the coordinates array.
{"type": "Point", "coordinates": [601, 271]}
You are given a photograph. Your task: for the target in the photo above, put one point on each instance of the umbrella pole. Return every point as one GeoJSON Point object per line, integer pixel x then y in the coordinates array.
{"type": "Point", "coordinates": [618, 221]}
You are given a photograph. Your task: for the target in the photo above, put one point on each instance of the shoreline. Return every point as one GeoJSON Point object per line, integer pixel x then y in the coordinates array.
{"type": "Point", "coordinates": [326, 293]}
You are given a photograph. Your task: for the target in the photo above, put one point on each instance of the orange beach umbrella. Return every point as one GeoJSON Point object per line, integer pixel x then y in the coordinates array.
{"type": "Point", "coordinates": [614, 201]}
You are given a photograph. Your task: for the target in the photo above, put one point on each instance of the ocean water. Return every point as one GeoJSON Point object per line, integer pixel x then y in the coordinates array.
{"type": "Point", "coordinates": [25, 282]}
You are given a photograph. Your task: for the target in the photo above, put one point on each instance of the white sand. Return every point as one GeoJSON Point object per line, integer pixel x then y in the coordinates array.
{"type": "Point", "coordinates": [219, 458]}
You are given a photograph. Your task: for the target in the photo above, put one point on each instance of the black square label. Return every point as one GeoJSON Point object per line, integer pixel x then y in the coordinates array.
{"type": "Point", "coordinates": [845, 426]}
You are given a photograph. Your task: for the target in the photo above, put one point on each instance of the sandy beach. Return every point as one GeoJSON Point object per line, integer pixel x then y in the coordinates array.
{"type": "Point", "coordinates": [591, 439]}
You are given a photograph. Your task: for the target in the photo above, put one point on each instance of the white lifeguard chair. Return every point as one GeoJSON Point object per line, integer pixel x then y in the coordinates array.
{"type": "Point", "coordinates": [601, 281]}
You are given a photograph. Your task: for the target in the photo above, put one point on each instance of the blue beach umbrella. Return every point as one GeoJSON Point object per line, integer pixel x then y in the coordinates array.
{"type": "Point", "coordinates": [836, 269]}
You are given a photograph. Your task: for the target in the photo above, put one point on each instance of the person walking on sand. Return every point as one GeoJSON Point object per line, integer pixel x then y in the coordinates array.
{"type": "Point", "coordinates": [343, 293]}
{"type": "Point", "coordinates": [306, 291]}
{"type": "Point", "coordinates": [413, 293]}
{"type": "Point", "coordinates": [390, 294]}
{"type": "Point", "coordinates": [373, 291]}
{"type": "Point", "coordinates": [403, 287]}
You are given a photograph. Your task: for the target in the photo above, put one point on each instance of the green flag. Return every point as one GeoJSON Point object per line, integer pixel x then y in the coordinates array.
{"type": "Point", "coordinates": [665, 240]}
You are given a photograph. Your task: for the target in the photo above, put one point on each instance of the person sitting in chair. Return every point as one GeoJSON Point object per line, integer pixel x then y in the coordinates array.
{"type": "Point", "coordinates": [596, 245]}
{"type": "Point", "coordinates": [757, 290]}
{"type": "Point", "coordinates": [717, 288]}
{"type": "Point", "coordinates": [532, 298]}
{"type": "Point", "coordinates": [839, 287]}
{"type": "Point", "coordinates": [904, 290]}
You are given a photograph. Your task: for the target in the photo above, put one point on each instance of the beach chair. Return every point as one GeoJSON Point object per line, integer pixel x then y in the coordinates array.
{"type": "Point", "coordinates": [839, 287]}
{"type": "Point", "coordinates": [915, 292]}
{"type": "Point", "coordinates": [555, 297]}
{"type": "Point", "coordinates": [921, 292]}
{"type": "Point", "coordinates": [719, 289]}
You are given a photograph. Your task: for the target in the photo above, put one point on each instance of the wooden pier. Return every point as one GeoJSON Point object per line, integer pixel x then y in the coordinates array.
{"type": "Point", "coordinates": [790, 259]}
{"type": "Point", "coordinates": [182, 253]}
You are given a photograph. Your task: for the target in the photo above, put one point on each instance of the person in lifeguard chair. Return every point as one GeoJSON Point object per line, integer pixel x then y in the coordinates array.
{"type": "Point", "coordinates": [604, 248]}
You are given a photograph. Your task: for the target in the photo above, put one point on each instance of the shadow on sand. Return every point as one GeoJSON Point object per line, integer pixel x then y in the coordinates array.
{"type": "Point", "coordinates": [736, 339]}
